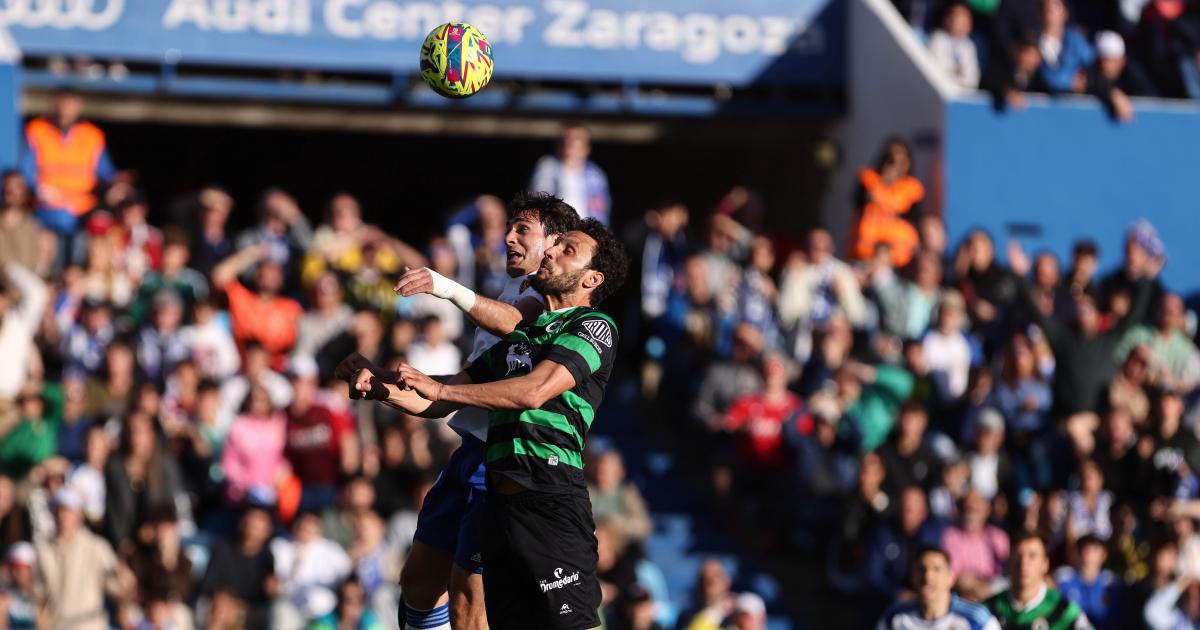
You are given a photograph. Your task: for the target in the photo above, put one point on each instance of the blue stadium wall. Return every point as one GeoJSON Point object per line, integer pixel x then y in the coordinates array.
{"type": "Point", "coordinates": [1063, 170]}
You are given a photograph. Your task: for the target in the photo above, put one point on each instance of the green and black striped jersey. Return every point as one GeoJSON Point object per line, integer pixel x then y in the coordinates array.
{"type": "Point", "coordinates": [1050, 611]}
{"type": "Point", "coordinates": [542, 449]}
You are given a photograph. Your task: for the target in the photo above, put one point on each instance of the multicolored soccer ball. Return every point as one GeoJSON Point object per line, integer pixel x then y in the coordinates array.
{"type": "Point", "coordinates": [456, 60]}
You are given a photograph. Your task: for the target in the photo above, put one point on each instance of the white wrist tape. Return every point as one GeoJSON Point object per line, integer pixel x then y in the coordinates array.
{"type": "Point", "coordinates": [447, 289]}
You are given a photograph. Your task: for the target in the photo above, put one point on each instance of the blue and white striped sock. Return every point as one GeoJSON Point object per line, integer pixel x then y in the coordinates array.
{"type": "Point", "coordinates": [436, 619]}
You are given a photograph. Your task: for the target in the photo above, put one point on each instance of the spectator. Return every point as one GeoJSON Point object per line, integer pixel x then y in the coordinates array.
{"type": "Point", "coordinates": [1174, 359]}
{"type": "Point", "coordinates": [175, 276]}
{"type": "Point", "coordinates": [35, 438]}
{"type": "Point", "coordinates": [657, 245]}
{"type": "Point", "coordinates": [946, 350]}
{"type": "Point", "coordinates": [887, 194]}
{"type": "Point", "coordinates": [138, 245]}
{"type": "Point", "coordinates": [634, 611]}
{"type": "Point", "coordinates": [103, 279]}
{"type": "Point", "coordinates": [1009, 76]}
{"type": "Point", "coordinates": [306, 562]}
{"type": "Point", "coordinates": [338, 522]}
{"type": "Point", "coordinates": [433, 353]}
{"type": "Point", "coordinates": [252, 455]}
{"type": "Point", "coordinates": [935, 603]}
{"type": "Point", "coordinates": [244, 570]}
{"type": "Point", "coordinates": [816, 289]}
{"type": "Point", "coordinates": [1171, 452]}
{"type": "Point", "coordinates": [14, 516]}
{"type": "Point", "coordinates": [726, 381]}
{"type": "Point", "coordinates": [23, 596]}
{"type": "Point", "coordinates": [141, 477]}
{"type": "Point", "coordinates": [78, 569]}
{"type": "Point", "coordinates": [978, 550]}
{"type": "Point", "coordinates": [1145, 256]}
{"type": "Point", "coordinates": [163, 570]}
{"type": "Point", "coordinates": [322, 442]}
{"type": "Point", "coordinates": [21, 239]}
{"type": "Point", "coordinates": [111, 394]}
{"type": "Point", "coordinates": [712, 599]}
{"type": "Point", "coordinates": [869, 506]}
{"type": "Point", "coordinates": [213, 349]}
{"type": "Point", "coordinates": [953, 49]}
{"type": "Point", "coordinates": [1030, 598]}
{"type": "Point", "coordinates": [19, 318]}
{"type": "Point", "coordinates": [1090, 585]}
{"type": "Point", "coordinates": [282, 235]}
{"type": "Point", "coordinates": [907, 457]}
{"type": "Point", "coordinates": [1080, 278]}
{"type": "Point", "coordinates": [1127, 390]}
{"type": "Point", "coordinates": [328, 318]}
{"type": "Point", "coordinates": [1021, 394]}
{"type": "Point", "coordinates": [758, 419]}
{"type": "Point", "coordinates": [210, 244]}
{"type": "Point", "coordinates": [162, 344]}
{"type": "Point", "coordinates": [618, 502]}
{"type": "Point", "coordinates": [87, 477]}
{"type": "Point", "coordinates": [1066, 53]}
{"type": "Point", "coordinates": [756, 292]}
{"type": "Point", "coordinates": [991, 470]}
{"type": "Point", "coordinates": [352, 612]}
{"type": "Point", "coordinates": [265, 316]}
{"type": "Point", "coordinates": [338, 244]}
{"type": "Point", "coordinates": [66, 159]}
{"type": "Point", "coordinates": [921, 296]}
{"type": "Point", "coordinates": [256, 370]}
{"type": "Point", "coordinates": [1167, 39]}
{"type": "Point", "coordinates": [990, 290]}
{"type": "Point", "coordinates": [1114, 77]}
{"type": "Point", "coordinates": [1082, 351]}
{"type": "Point", "coordinates": [85, 344]}
{"type": "Point", "coordinates": [871, 397]}
{"type": "Point", "coordinates": [573, 177]}
{"type": "Point", "coordinates": [894, 545]}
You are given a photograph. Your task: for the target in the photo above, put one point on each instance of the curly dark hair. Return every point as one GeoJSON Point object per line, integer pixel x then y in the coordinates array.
{"type": "Point", "coordinates": [555, 215]}
{"type": "Point", "coordinates": [608, 258]}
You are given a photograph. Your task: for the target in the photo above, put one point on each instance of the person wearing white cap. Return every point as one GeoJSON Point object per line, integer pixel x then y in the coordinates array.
{"type": "Point", "coordinates": [78, 568]}
{"type": "Point", "coordinates": [22, 567]}
{"type": "Point", "coordinates": [1114, 77]}
{"type": "Point", "coordinates": [749, 612]}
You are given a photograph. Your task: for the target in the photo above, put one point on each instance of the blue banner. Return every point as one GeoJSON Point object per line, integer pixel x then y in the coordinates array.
{"type": "Point", "coordinates": [698, 42]}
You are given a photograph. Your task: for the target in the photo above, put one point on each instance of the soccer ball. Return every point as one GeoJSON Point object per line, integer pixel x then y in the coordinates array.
{"type": "Point", "coordinates": [456, 60]}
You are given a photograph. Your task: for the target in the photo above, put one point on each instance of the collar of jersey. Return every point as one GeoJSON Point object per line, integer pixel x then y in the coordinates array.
{"type": "Point", "coordinates": [1033, 603]}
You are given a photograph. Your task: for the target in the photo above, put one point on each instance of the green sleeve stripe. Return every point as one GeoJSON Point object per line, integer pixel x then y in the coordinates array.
{"type": "Point", "coordinates": [580, 406]}
{"type": "Point", "coordinates": [580, 347]}
{"type": "Point", "coordinates": [528, 448]}
{"type": "Point", "coordinates": [542, 418]}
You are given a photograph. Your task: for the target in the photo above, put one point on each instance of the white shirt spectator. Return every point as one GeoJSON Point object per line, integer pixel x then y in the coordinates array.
{"type": "Point", "coordinates": [321, 562]}
{"type": "Point", "coordinates": [88, 483]}
{"type": "Point", "coordinates": [213, 350]}
{"type": "Point", "coordinates": [234, 391]}
{"type": "Point", "coordinates": [957, 57]}
{"type": "Point", "coordinates": [1096, 521]}
{"type": "Point", "coordinates": [949, 355]}
{"type": "Point", "coordinates": [444, 358]}
{"type": "Point", "coordinates": [17, 328]}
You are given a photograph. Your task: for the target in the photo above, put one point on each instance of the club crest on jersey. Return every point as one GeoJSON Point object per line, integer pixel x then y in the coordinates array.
{"type": "Point", "coordinates": [598, 331]}
{"type": "Point", "coordinates": [519, 356]}
{"type": "Point", "coordinates": [524, 285]}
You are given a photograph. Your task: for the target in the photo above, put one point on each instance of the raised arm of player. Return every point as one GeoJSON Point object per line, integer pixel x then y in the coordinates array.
{"type": "Point", "coordinates": [530, 391]}
{"type": "Point", "coordinates": [491, 315]}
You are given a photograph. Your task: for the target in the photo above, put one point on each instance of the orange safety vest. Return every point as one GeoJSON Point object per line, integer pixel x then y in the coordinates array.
{"type": "Point", "coordinates": [881, 220]}
{"type": "Point", "coordinates": [67, 163]}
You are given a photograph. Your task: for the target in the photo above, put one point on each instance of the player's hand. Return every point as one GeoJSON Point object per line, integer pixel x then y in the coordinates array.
{"type": "Point", "coordinates": [349, 368]}
{"type": "Point", "coordinates": [367, 385]}
{"type": "Point", "coordinates": [415, 281]}
{"type": "Point", "coordinates": [414, 379]}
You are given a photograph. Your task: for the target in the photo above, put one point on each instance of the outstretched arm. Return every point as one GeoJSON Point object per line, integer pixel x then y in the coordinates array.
{"type": "Point", "coordinates": [227, 270]}
{"type": "Point", "coordinates": [491, 315]}
{"type": "Point", "coordinates": [546, 381]}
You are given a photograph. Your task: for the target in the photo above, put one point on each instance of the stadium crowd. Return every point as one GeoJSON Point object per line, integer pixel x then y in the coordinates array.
{"type": "Point", "coordinates": [921, 394]}
{"type": "Point", "coordinates": [1110, 49]}
{"type": "Point", "coordinates": [177, 452]}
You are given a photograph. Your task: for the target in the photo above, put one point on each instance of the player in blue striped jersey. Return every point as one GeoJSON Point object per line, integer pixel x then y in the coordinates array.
{"type": "Point", "coordinates": [936, 607]}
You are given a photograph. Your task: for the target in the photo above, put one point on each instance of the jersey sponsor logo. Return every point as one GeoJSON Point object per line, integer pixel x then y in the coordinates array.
{"type": "Point", "coordinates": [519, 357]}
{"type": "Point", "coordinates": [560, 580]}
{"type": "Point", "coordinates": [554, 325]}
{"type": "Point", "coordinates": [564, 610]}
{"type": "Point", "coordinates": [552, 460]}
{"type": "Point", "coordinates": [1040, 624]}
{"type": "Point", "coordinates": [599, 331]}
{"type": "Point", "coordinates": [478, 557]}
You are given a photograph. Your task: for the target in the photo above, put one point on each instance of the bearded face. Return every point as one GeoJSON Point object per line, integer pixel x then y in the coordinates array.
{"type": "Point", "coordinates": [557, 284]}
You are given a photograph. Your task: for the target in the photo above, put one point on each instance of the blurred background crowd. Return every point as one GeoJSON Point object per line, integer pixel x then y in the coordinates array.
{"type": "Point", "coordinates": [177, 453]}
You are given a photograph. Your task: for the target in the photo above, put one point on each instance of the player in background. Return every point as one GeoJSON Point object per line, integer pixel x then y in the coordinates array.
{"type": "Point", "coordinates": [446, 555]}
{"type": "Point", "coordinates": [936, 607]}
{"type": "Point", "coordinates": [1030, 604]}
{"type": "Point", "coordinates": [542, 385]}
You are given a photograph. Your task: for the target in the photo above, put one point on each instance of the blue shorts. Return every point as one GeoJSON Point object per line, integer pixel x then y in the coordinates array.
{"type": "Point", "coordinates": [451, 516]}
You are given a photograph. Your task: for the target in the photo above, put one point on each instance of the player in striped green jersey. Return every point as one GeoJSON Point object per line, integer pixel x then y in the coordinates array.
{"type": "Point", "coordinates": [542, 384]}
{"type": "Point", "coordinates": [1030, 604]}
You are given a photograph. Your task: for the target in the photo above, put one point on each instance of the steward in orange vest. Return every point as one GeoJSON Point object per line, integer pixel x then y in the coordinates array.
{"type": "Point", "coordinates": [66, 159]}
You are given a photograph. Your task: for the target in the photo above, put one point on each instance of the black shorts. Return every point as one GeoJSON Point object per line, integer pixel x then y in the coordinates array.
{"type": "Point", "coordinates": [539, 561]}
